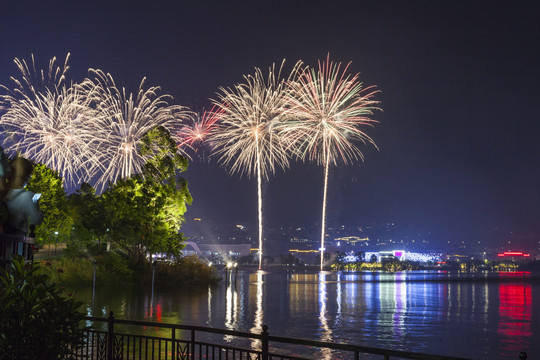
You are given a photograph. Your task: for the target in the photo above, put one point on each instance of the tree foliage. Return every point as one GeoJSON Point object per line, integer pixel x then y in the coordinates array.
{"type": "Point", "coordinates": [141, 214]}
{"type": "Point", "coordinates": [57, 222]}
{"type": "Point", "coordinates": [144, 213]}
{"type": "Point", "coordinates": [87, 212]}
{"type": "Point", "coordinates": [38, 321]}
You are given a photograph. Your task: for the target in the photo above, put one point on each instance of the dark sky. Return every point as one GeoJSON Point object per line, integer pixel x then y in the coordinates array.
{"type": "Point", "coordinates": [460, 82]}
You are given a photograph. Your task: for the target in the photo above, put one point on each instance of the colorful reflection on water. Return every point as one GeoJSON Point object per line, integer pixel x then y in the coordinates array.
{"type": "Point", "coordinates": [515, 311]}
{"type": "Point", "coordinates": [473, 316]}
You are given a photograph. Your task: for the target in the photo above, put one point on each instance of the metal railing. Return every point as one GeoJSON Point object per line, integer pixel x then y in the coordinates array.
{"type": "Point", "coordinates": [187, 342]}
{"type": "Point", "coordinates": [12, 245]}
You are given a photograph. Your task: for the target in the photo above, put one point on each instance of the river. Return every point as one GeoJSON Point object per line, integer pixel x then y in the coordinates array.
{"type": "Point", "coordinates": [479, 316]}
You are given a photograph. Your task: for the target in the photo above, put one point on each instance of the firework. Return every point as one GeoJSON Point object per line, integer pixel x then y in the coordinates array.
{"type": "Point", "coordinates": [327, 113]}
{"type": "Point", "coordinates": [88, 131]}
{"type": "Point", "coordinates": [195, 134]}
{"type": "Point", "coordinates": [246, 139]}
{"type": "Point", "coordinates": [49, 121]}
{"type": "Point", "coordinates": [125, 119]}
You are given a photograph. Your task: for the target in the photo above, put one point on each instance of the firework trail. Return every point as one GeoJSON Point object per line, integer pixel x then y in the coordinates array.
{"type": "Point", "coordinates": [327, 113]}
{"type": "Point", "coordinates": [125, 119]}
{"type": "Point", "coordinates": [245, 136]}
{"type": "Point", "coordinates": [48, 121]}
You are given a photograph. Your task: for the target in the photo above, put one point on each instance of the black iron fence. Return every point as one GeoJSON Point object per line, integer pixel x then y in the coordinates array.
{"type": "Point", "coordinates": [110, 339]}
{"type": "Point", "coordinates": [12, 245]}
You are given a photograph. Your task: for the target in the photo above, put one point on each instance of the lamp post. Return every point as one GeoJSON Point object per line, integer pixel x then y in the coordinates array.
{"type": "Point", "coordinates": [94, 281]}
{"type": "Point", "coordinates": [55, 242]}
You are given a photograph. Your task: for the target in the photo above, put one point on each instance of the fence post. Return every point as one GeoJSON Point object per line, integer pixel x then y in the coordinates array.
{"type": "Point", "coordinates": [110, 336]}
{"type": "Point", "coordinates": [522, 355]}
{"type": "Point", "coordinates": [193, 344]}
{"type": "Point", "coordinates": [265, 342]}
{"type": "Point", "coordinates": [173, 356]}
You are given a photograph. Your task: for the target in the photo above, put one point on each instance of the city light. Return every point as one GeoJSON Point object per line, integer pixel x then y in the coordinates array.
{"type": "Point", "coordinates": [513, 254]}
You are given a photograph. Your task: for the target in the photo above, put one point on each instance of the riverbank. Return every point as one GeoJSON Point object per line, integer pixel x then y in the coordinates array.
{"type": "Point", "coordinates": [112, 268]}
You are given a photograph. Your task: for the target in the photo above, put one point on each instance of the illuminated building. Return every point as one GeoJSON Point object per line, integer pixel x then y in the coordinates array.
{"type": "Point", "coordinates": [401, 255]}
{"type": "Point", "coordinates": [217, 251]}
{"type": "Point", "coordinates": [352, 240]}
{"type": "Point", "coordinates": [514, 254]}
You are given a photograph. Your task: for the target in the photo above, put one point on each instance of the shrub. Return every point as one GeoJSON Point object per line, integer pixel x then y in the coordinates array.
{"type": "Point", "coordinates": [68, 271]}
{"type": "Point", "coordinates": [189, 269]}
{"type": "Point", "coordinates": [79, 271]}
{"type": "Point", "coordinates": [114, 267]}
{"type": "Point", "coordinates": [38, 320]}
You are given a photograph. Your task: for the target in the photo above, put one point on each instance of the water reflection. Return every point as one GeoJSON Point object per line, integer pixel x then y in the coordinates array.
{"type": "Point", "coordinates": [338, 321]}
{"type": "Point", "coordinates": [231, 309]}
{"type": "Point", "coordinates": [400, 293]}
{"type": "Point", "coordinates": [392, 300]}
{"type": "Point", "coordinates": [515, 310]}
{"type": "Point", "coordinates": [425, 312]}
{"type": "Point", "coordinates": [258, 319]}
{"type": "Point", "coordinates": [326, 333]}
{"type": "Point", "coordinates": [209, 321]}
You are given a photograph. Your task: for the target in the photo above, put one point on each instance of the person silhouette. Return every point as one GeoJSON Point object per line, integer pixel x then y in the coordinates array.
{"type": "Point", "coordinates": [22, 205]}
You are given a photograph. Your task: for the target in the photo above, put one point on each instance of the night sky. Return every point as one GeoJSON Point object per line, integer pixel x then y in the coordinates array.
{"type": "Point", "coordinates": [460, 92]}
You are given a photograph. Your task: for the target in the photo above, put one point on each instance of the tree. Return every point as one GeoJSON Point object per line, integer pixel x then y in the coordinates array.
{"type": "Point", "coordinates": [246, 260]}
{"type": "Point", "coordinates": [38, 321]}
{"type": "Point", "coordinates": [87, 212]}
{"type": "Point", "coordinates": [144, 213]}
{"type": "Point", "coordinates": [392, 264]}
{"type": "Point", "coordinates": [57, 222]}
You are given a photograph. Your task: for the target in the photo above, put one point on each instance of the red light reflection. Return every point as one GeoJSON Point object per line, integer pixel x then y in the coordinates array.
{"type": "Point", "coordinates": [514, 274]}
{"type": "Point", "coordinates": [515, 311]}
{"type": "Point", "coordinates": [159, 312]}
{"type": "Point", "coordinates": [153, 314]}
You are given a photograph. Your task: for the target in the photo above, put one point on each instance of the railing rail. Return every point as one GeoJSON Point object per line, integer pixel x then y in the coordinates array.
{"type": "Point", "coordinates": [12, 245]}
{"type": "Point", "coordinates": [109, 344]}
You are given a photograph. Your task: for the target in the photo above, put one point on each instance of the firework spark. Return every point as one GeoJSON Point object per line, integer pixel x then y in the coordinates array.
{"type": "Point", "coordinates": [196, 133]}
{"type": "Point", "coordinates": [88, 131]}
{"type": "Point", "coordinates": [49, 121]}
{"type": "Point", "coordinates": [246, 139]}
{"type": "Point", "coordinates": [125, 120]}
{"type": "Point", "coordinates": [327, 112]}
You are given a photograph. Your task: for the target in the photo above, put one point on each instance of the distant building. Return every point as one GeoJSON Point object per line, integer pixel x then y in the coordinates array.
{"type": "Point", "coordinates": [457, 257]}
{"type": "Point", "coordinates": [514, 255]}
{"type": "Point", "coordinates": [217, 253]}
{"type": "Point", "coordinates": [403, 255]}
{"type": "Point", "coordinates": [351, 240]}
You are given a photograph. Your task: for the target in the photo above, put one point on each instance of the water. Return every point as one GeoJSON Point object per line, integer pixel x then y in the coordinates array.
{"type": "Point", "coordinates": [480, 316]}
